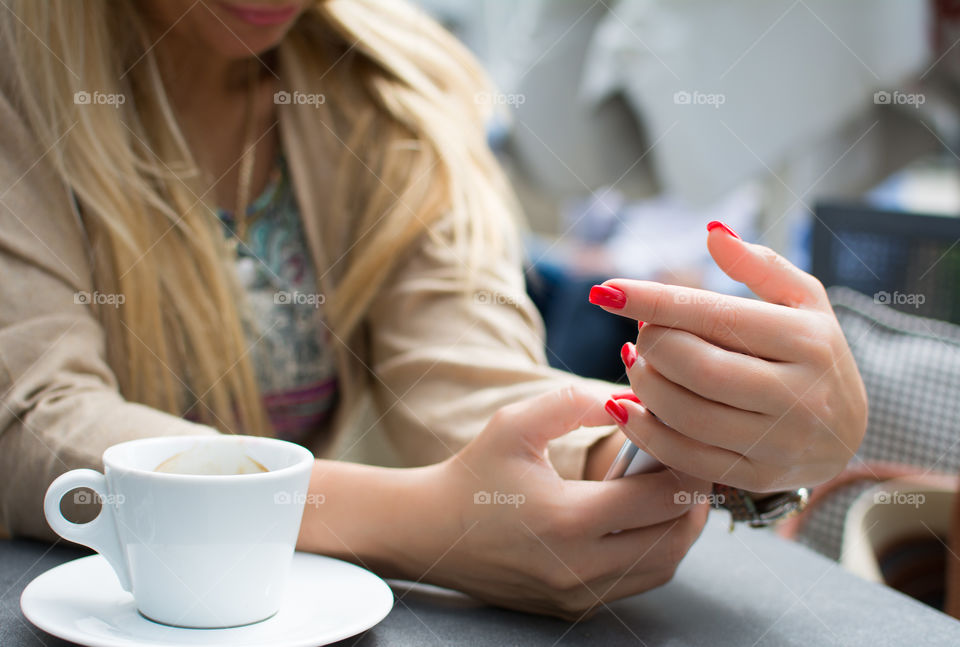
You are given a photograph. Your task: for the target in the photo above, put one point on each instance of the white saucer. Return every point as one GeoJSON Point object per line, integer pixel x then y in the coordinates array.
{"type": "Point", "coordinates": [326, 600]}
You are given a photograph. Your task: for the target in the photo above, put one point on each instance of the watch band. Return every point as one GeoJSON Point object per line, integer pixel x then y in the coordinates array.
{"type": "Point", "coordinates": [759, 511]}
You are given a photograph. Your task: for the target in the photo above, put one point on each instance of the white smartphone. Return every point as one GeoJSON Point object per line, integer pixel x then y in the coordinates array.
{"type": "Point", "coordinates": [631, 460]}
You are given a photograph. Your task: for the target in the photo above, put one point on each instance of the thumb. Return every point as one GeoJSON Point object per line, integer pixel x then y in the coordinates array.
{"type": "Point", "coordinates": [551, 415]}
{"type": "Point", "coordinates": [768, 274]}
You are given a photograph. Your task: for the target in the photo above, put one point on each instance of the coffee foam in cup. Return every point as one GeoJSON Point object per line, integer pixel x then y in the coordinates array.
{"type": "Point", "coordinates": [209, 460]}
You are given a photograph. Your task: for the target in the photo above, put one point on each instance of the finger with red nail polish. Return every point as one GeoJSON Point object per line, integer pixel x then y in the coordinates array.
{"type": "Point", "coordinates": [716, 224]}
{"type": "Point", "coordinates": [617, 410]}
{"type": "Point", "coordinates": [628, 353]}
{"type": "Point", "coordinates": [608, 297]}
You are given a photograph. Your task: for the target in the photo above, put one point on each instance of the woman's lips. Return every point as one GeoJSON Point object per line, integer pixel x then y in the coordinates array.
{"type": "Point", "coordinates": [261, 15]}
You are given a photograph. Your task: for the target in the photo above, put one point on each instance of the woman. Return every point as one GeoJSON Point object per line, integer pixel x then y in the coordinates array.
{"type": "Point", "coordinates": [270, 218]}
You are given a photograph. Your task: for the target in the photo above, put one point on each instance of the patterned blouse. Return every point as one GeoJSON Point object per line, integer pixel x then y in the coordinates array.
{"type": "Point", "coordinates": [283, 319]}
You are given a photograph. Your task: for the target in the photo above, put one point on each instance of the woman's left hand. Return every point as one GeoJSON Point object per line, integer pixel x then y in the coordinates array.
{"type": "Point", "coordinates": [758, 395]}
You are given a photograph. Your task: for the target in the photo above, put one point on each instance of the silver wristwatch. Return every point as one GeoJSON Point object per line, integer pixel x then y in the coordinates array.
{"type": "Point", "coordinates": [759, 510]}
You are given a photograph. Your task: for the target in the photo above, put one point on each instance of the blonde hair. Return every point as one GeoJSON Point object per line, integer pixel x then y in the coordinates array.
{"type": "Point", "coordinates": [402, 100]}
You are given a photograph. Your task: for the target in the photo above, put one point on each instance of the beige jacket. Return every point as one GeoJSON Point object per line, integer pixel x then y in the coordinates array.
{"type": "Point", "coordinates": [435, 364]}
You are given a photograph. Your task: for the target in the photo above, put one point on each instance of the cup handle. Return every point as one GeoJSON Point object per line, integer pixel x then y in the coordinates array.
{"type": "Point", "coordinates": [99, 534]}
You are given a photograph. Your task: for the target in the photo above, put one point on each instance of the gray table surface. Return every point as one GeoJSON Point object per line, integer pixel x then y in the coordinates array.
{"type": "Point", "coordinates": [742, 588]}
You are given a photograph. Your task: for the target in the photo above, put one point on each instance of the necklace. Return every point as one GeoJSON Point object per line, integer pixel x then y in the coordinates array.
{"type": "Point", "coordinates": [248, 157]}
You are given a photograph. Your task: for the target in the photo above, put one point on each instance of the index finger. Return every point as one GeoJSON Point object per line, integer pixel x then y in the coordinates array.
{"type": "Point", "coordinates": [744, 325]}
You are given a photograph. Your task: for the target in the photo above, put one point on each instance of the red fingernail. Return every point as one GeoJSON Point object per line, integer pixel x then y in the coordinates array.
{"type": "Point", "coordinates": [616, 410]}
{"type": "Point", "coordinates": [626, 395]}
{"type": "Point", "coordinates": [713, 224]}
{"type": "Point", "coordinates": [628, 353]}
{"type": "Point", "coordinates": [639, 325]}
{"type": "Point", "coordinates": [607, 296]}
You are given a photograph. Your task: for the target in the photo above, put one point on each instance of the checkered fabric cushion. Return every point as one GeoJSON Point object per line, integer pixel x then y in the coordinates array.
{"type": "Point", "coordinates": [911, 368]}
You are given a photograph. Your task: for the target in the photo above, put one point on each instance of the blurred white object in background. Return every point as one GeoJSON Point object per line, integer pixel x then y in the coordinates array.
{"type": "Point", "coordinates": [781, 91]}
{"type": "Point", "coordinates": [929, 186]}
{"type": "Point", "coordinates": [744, 86]}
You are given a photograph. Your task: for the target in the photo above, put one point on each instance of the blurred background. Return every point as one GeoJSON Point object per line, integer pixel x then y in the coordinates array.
{"type": "Point", "coordinates": [627, 125]}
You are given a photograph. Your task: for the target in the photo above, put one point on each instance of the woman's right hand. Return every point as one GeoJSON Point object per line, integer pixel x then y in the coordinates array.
{"type": "Point", "coordinates": [513, 533]}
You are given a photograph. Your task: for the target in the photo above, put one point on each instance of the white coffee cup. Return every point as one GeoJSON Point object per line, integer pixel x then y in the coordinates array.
{"type": "Point", "coordinates": [203, 550]}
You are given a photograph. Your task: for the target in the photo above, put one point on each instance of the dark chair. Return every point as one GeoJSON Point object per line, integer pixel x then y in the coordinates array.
{"type": "Point", "coordinates": [908, 261]}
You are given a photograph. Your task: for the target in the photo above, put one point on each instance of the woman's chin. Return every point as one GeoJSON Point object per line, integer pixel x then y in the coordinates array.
{"type": "Point", "coordinates": [244, 46]}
